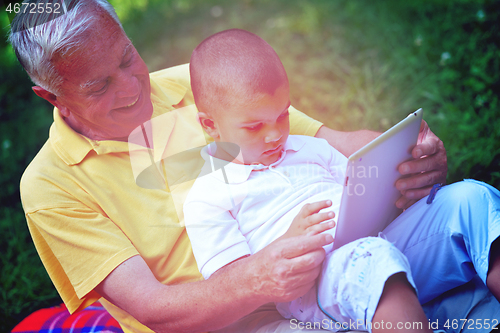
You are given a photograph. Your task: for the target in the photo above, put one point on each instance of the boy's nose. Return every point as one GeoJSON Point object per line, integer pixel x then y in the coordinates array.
{"type": "Point", "coordinates": [273, 136]}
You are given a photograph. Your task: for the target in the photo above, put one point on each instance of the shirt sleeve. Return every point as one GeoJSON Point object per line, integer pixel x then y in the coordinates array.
{"type": "Point", "coordinates": [302, 124]}
{"type": "Point", "coordinates": [335, 161]}
{"type": "Point", "coordinates": [214, 233]}
{"type": "Point", "coordinates": [67, 235]}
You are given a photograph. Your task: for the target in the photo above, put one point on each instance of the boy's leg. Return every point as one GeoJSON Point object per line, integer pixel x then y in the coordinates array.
{"type": "Point", "coordinates": [352, 282]}
{"type": "Point", "coordinates": [448, 241]}
{"type": "Point", "coordinates": [493, 278]}
{"type": "Point", "coordinates": [399, 307]}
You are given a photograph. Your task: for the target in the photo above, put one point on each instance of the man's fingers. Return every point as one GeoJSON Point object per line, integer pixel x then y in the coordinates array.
{"type": "Point", "coordinates": [428, 147]}
{"type": "Point", "coordinates": [411, 196]}
{"type": "Point", "coordinates": [297, 284]}
{"type": "Point", "coordinates": [428, 163]}
{"type": "Point", "coordinates": [409, 203]}
{"type": "Point", "coordinates": [417, 194]}
{"type": "Point", "coordinates": [428, 167]}
{"type": "Point", "coordinates": [312, 208]}
{"type": "Point", "coordinates": [423, 131]}
{"type": "Point", "coordinates": [302, 290]}
{"type": "Point", "coordinates": [301, 245]}
{"type": "Point", "coordinates": [307, 262]}
{"type": "Point", "coordinates": [295, 293]}
{"type": "Point", "coordinates": [416, 165]}
{"type": "Point", "coordinates": [419, 180]}
{"type": "Point", "coordinates": [401, 202]}
{"type": "Point", "coordinates": [404, 203]}
{"type": "Point", "coordinates": [282, 278]}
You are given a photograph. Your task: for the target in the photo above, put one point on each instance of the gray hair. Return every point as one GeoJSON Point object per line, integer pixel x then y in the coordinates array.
{"type": "Point", "coordinates": [38, 38]}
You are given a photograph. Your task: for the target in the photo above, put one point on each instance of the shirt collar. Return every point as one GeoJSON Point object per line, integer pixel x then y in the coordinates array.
{"type": "Point", "coordinates": [73, 147]}
{"type": "Point", "coordinates": [234, 173]}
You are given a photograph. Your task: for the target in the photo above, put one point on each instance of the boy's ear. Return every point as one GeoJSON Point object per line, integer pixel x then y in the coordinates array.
{"type": "Point", "coordinates": [208, 124]}
{"type": "Point", "coordinates": [51, 98]}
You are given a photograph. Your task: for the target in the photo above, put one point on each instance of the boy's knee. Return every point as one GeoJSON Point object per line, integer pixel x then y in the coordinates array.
{"type": "Point", "coordinates": [382, 250]}
{"type": "Point", "coordinates": [377, 244]}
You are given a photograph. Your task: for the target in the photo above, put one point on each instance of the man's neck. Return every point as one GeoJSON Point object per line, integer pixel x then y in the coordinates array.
{"type": "Point", "coordinates": [85, 131]}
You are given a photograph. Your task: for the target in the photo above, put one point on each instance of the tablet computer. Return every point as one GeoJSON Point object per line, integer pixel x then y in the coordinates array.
{"type": "Point", "coordinates": [369, 197]}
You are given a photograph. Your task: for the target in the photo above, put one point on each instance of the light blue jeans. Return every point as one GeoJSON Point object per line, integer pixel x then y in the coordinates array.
{"type": "Point", "coordinates": [447, 244]}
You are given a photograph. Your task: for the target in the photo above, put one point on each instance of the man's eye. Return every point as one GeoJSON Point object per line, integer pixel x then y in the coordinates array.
{"type": "Point", "coordinates": [101, 90]}
{"type": "Point", "coordinates": [128, 62]}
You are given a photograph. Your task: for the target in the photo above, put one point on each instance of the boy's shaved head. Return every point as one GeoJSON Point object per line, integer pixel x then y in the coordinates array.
{"type": "Point", "coordinates": [234, 67]}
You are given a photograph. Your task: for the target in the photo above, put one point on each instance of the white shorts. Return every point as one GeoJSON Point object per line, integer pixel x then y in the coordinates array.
{"type": "Point", "coordinates": [350, 286]}
{"type": "Point", "coordinates": [447, 243]}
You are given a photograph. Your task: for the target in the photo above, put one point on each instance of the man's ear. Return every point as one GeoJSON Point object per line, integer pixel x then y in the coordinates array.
{"type": "Point", "coordinates": [52, 99]}
{"type": "Point", "coordinates": [208, 124]}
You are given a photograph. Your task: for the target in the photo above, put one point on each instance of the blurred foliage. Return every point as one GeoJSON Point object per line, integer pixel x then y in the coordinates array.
{"type": "Point", "coordinates": [351, 63]}
{"type": "Point", "coordinates": [468, 51]}
{"type": "Point", "coordinates": [24, 123]}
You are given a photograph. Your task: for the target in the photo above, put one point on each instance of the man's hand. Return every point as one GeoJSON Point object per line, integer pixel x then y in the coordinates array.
{"type": "Point", "coordinates": [282, 271]}
{"type": "Point", "coordinates": [428, 167]}
{"type": "Point", "coordinates": [308, 220]}
{"type": "Point", "coordinates": [287, 268]}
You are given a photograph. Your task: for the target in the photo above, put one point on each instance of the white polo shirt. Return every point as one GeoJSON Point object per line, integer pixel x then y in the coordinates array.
{"type": "Point", "coordinates": [238, 209]}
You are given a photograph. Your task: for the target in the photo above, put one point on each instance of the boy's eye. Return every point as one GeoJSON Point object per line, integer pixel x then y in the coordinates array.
{"type": "Point", "coordinates": [283, 115]}
{"type": "Point", "coordinates": [254, 128]}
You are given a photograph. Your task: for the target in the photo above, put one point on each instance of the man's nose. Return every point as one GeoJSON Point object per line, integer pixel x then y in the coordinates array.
{"type": "Point", "coordinates": [273, 136]}
{"type": "Point", "coordinates": [128, 86]}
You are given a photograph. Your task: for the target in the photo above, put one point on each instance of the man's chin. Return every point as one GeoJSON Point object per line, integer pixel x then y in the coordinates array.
{"type": "Point", "coordinates": [122, 131]}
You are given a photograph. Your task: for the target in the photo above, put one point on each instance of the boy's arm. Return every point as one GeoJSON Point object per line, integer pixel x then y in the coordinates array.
{"type": "Point", "coordinates": [214, 234]}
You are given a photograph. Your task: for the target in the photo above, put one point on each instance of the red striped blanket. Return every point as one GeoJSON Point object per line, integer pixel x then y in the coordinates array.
{"type": "Point", "coordinates": [58, 320]}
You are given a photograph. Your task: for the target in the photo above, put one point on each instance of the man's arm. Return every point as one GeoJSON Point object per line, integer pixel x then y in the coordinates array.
{"type": "Point", "coordinates": [280, 272]}
{"type": "Point", "coordinates": [346, 142]}
{"type": "Point", "coordinates": [428, 167]}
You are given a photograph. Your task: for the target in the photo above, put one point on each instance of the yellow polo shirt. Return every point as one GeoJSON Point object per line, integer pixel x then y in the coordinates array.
{"type": "Point", "coordinates": [89, 208]}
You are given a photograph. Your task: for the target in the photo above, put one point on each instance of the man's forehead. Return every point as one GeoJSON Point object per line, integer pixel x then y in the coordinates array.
{"type": "Point", "coordinates": [94, 61]}
{"type": "Point", "coordinates": [96, 77]}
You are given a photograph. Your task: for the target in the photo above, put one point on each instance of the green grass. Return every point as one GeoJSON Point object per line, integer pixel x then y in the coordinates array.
{"type": "Point", "coordinates": [351, 63]}
{"type": "Point", "coordinates": [363, 64]}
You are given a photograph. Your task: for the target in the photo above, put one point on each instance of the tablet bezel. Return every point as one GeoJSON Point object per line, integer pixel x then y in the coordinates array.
{"type": "Point", "coordinates": [377, 194]}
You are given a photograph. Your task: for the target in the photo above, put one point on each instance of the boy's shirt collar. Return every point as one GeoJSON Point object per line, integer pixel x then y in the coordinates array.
{"type": "Point", "coordinates": [234, 173]}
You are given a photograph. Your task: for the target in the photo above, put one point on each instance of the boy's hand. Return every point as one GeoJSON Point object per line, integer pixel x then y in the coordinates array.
{"type": "Point", "coordinates": [308, 221]}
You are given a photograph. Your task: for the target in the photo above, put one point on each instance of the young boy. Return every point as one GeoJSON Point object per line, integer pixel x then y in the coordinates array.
{"type": "Point", "coordinates": [265, 184]}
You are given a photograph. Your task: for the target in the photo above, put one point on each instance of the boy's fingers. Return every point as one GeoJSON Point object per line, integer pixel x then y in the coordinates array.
{"type": "Point", "coordinates": [312, 208]}
{"type": "Point", "coordinates": [319, 228]}
{"type": "Point", "coordinates": [318, 218]}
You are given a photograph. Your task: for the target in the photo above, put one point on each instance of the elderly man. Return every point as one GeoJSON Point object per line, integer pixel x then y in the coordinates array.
{"type": "Point", "coordinates": [101, 236]}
